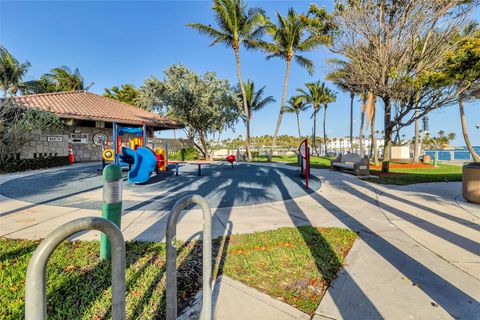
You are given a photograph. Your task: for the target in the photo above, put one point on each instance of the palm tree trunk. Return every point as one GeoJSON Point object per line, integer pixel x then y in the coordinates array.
{"type": "Point", "coordinates": [324, 129]}
{"type": "Point", "coordinates": [474, 154]}
{"type": "Point", "coordinates": [298, 126]}
{"type": "Point", "coordinates": [360, 137]}
{"type": "Point", "coordinates": [315, 132]}
{"type": "Point", "coordinates": [280, 115]}
{"type": "Point", "coordinates": [387, 135]}
{"type": "Point", "coordinates": [352, 96]}
{"type": "Point", "coordinates": [374, 141]}
{"type": "Point", "coordinates": [245, 106]}
{"type": "Point", "coordinates": [416, 145]}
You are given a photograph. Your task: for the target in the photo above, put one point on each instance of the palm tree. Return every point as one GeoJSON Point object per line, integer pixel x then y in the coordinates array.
{"type": "Point", "coordinates": [329, 96]}
{"type": "Point", "coordinates": [475, 156]}
{"type": "Point", "coordinates": [371, 111]}
{"type": "Point", "coordinates": [340, 77]}
{"type": "Point", "coordinates": [297, 104]}
{"type": "Point", "coordinates": [288, 40]}
{"type": "Point", "coordinates": [235, 26]}
{"type": "Point", "coordinates": [58, 80]}
{"type": "Point", "coordinates": [255, 99]}
{"type": "Point", "coordinates": [11, 72]}
{"type": "Point", "coordinates": [314, 96]}
{"type": "Point", "coordinates": [472, 30]}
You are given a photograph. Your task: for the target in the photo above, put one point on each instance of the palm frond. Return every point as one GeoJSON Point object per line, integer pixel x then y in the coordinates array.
{"type": "Point", "coordinates": [309, 44]}
{"type": "Point", "coordinates": [306, 63]}
{"type": "Point", "coordinates": [218, 36]}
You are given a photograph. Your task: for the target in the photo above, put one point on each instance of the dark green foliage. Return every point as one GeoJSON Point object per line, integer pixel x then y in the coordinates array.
{"type": "Point", "coordinates": [19, 125]}
{"type": "Point", "coordinates": [126, 93]}
{"type": "Point", "coordinates": [185, 154]}
{"type": "Point", "coordinates": [7, 166]}
{"type": "Point", "coordinates": [58, 80]}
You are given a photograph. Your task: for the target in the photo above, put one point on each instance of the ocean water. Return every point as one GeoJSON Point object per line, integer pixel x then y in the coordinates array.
{"type": "Point", "coordinates": [453, 154]}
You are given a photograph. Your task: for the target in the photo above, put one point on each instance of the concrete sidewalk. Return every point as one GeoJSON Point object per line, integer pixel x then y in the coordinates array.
{"type": "Point", "coordinates": [236, 301]}
{"type": "Point", "coordinates": [418, 256]}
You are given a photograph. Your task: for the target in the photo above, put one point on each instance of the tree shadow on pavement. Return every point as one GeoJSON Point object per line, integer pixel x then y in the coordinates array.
{"type": "Point", "coordinates": [456, 302]}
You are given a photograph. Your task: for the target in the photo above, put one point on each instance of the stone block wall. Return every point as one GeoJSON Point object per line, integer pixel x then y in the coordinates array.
{"type": "Point", "coordinates": [40, 146]}
{"type": "Point", "coordinates": [88, 151]}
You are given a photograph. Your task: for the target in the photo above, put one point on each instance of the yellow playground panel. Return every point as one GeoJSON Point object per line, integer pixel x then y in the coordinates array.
{"type": "Point", "coordinates": [161, 155]}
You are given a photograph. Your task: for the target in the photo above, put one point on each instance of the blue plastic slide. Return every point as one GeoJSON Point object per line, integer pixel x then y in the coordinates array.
{"type": "Point", "coordinates": [144, 162]}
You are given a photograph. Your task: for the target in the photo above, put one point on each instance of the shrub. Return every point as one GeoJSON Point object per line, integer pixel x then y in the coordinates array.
{"type": "Point", "coordinates": [185, 154]}
{"type": "Point", "coordinates": [18, 125]}
{"type": "Point", "coordinates": [7, 166]}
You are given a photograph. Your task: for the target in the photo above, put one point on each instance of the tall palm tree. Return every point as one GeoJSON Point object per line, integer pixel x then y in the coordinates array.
{"type": "Point", "coordinates": [371, 111]}
{"type": "Point", "coordinates": [340, 77]}
{"type": "Point", "coordinates": [59, 79]}
{"type": "Point", "coordinates": [11, 72]}
{"type": "Point", "coordinates": [67, 80]}
{"type": "Point", "coordinates": [255, 99]}
{"type": "Point", "coordinates": [471, 31]}
{"type": "Point", "coordinates": [236, 24]}
{"type": "Point", "coordinates": [296, 104]}
{"type": "Point", "coordinates": [288, 36]}
{"type": "Point", "coordinates": [314, 96]}
{"type": "Point", "coordinates": [329, 96]}
{"type": "Point", "coordinates": [363, 110]}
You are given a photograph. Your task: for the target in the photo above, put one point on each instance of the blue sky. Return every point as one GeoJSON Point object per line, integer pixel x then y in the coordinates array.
{"type": "Point", "coordinates": [116, 42]}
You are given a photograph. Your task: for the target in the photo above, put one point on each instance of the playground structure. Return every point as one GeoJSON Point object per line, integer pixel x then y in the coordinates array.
{"type": "Point", "coordinates": [140, 159]}
{"type": "Point", "coordinates": [304, 158]}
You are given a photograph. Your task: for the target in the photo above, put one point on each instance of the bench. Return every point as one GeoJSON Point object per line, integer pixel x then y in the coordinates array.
{"type": "Point", "coordinates": [352, 161]}
{"type": "Point", "coordinates": [199, 164]}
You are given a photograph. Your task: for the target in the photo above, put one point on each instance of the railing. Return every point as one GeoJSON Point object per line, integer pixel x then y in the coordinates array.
{"type": "Point", "coordinates": [35, 288]}
{"type": "Point", "coordinates": [171, 233]}
{"type": "Point", "coordinates": [451, 155]}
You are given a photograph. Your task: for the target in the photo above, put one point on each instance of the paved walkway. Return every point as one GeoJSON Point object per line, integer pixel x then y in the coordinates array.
{"type": "Point", "coordinates": [418, 256]}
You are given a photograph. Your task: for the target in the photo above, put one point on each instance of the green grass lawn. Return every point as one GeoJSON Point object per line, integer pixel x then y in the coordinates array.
{"type": "Point", "coordinates": [295, 265]}
{"type": "Point", "coordinates": [405, 176]}
{"type": "Point", "coordinates": [315, 162]}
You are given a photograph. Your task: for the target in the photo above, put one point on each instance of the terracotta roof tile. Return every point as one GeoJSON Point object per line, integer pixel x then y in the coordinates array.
{"type": "Point", "coordinates": [90, 106]}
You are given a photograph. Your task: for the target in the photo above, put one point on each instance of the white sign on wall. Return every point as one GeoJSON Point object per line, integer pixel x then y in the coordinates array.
{"type": "Point", "coordinates": [78, 137]}
{"type": "Point", "coordinates": [54, 138]}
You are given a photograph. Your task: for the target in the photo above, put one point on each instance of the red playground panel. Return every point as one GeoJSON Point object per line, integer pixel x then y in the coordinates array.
{"type": "Point", "coordinates": [304, 152]}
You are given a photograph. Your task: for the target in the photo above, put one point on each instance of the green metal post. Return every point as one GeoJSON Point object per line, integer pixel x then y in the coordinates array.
{"type": "Point", "coordinates": [435, 158]}
{"type": "Point", "coordinates": [112, 203]}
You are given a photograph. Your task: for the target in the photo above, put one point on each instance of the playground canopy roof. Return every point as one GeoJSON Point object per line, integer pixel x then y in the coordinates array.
{"type": "Point", "coordinates": [85, 105]}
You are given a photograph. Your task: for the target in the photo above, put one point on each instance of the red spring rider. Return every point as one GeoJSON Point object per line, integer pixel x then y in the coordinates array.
{"type": "Point", "coordinates": [231, 159]}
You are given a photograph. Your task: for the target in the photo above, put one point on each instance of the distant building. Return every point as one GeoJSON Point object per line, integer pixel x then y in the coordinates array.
{"type": "Point", "coordinates": [342, 145]}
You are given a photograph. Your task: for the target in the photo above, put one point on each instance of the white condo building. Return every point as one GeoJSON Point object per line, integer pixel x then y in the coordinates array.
{"type": "Point", "coordinates": [342, 145]}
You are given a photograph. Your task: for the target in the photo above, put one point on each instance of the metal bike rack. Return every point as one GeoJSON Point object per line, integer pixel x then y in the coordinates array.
{"type": "Point", "coordinates": [171, 233]}
{"type": "Point", "coordinates": [35, 288]}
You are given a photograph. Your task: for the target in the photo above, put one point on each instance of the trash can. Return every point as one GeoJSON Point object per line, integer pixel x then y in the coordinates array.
{"type": "Point", "coordinates": [471, 182]}
{"type": "Point", "coordinates": [427, 158]}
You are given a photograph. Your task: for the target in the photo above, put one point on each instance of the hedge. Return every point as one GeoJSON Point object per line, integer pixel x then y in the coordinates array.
{"type": "Point", "coordinates": [8, 166]}
{"type": "Point", "coordinates": [185, 154]}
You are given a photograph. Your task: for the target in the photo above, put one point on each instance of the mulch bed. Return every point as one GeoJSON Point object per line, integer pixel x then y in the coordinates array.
{"type": "Point", "coordinates": [405, 166]}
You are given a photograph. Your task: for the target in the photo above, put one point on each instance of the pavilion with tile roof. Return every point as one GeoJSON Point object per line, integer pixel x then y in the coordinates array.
{"type": "Point", "coordinates": [86, 115]}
